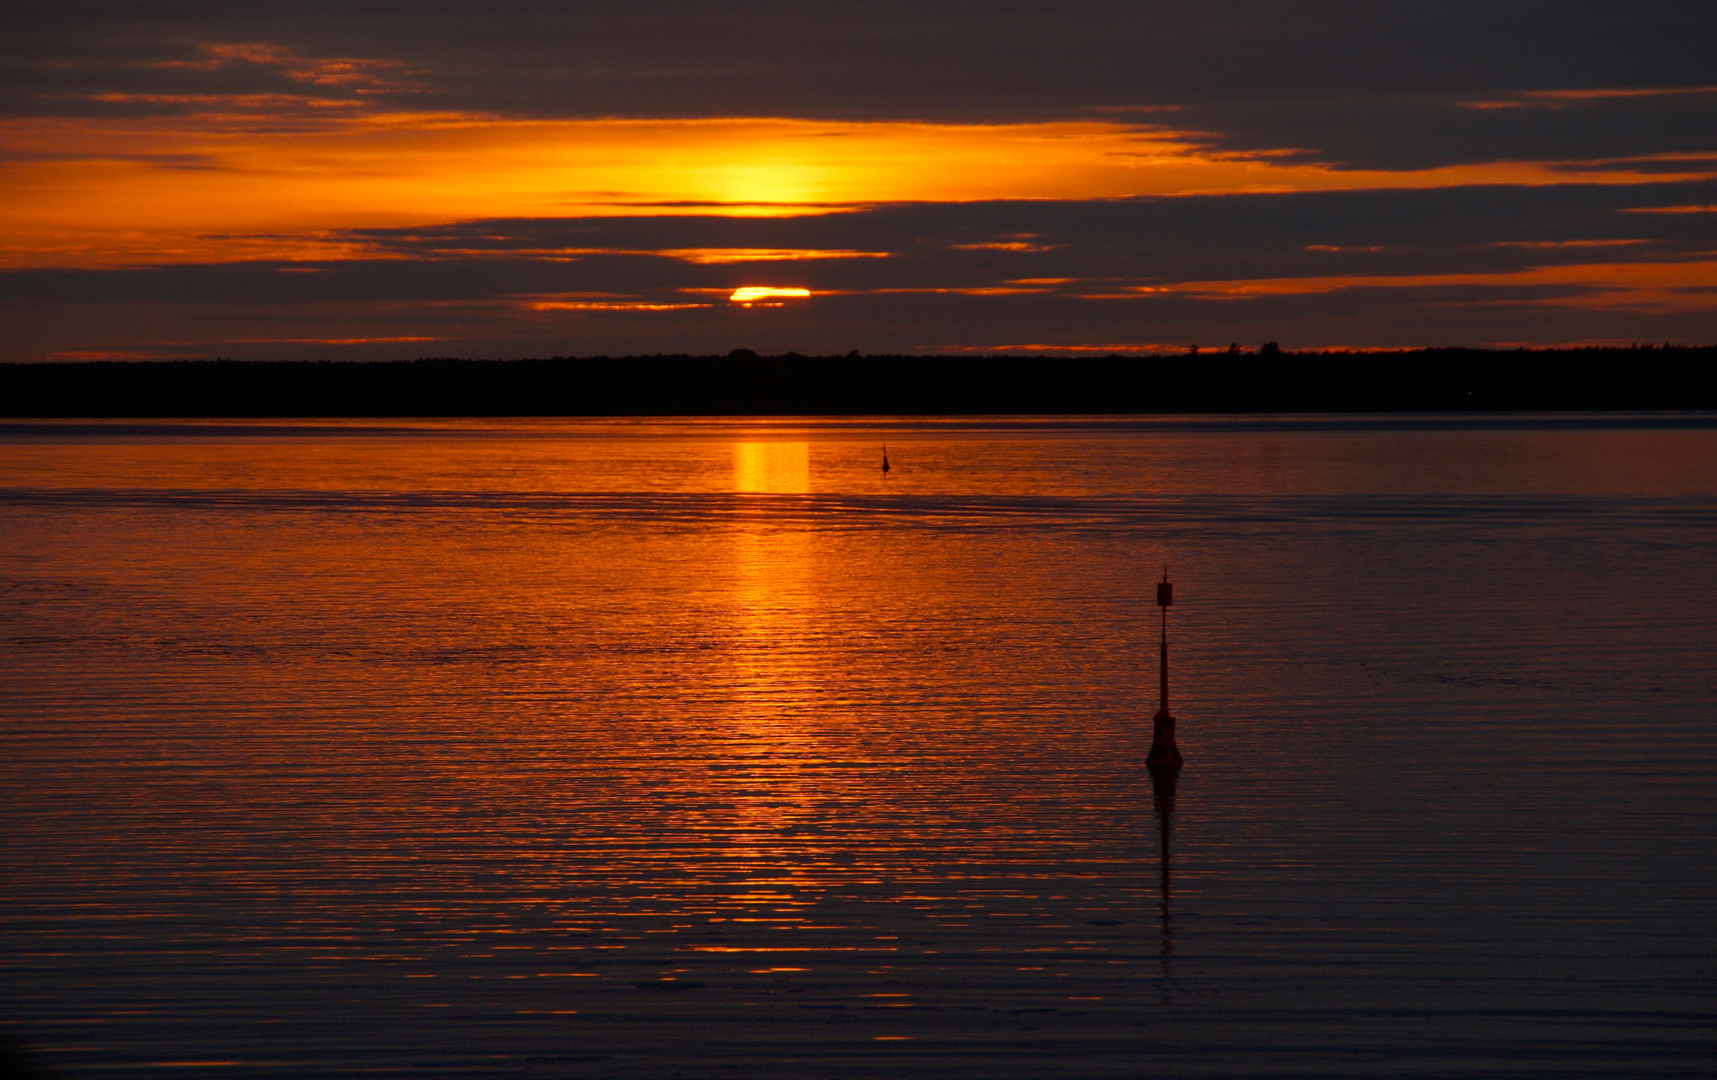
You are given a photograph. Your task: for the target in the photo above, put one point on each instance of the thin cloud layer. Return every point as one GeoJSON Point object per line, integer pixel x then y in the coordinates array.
{"type": "Point", "coordinates": [1408, 85]}
{"type": "Point", "coordinates": [1497, 265]}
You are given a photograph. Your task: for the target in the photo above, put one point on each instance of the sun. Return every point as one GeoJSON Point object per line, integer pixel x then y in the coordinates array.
{"type": "Point", "coordinates": [765, 296]}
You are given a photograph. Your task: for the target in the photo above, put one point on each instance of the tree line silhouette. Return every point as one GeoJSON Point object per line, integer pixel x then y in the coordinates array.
{"type": "Point", "coordinates": [744, 383]}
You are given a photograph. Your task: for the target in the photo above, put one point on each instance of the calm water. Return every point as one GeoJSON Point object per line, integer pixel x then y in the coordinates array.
{"type": "Point", "coordinates": [704, 749]}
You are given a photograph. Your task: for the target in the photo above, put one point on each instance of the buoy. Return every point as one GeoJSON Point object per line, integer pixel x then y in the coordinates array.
{"type": "Point", "coordinates": [1164, 753]}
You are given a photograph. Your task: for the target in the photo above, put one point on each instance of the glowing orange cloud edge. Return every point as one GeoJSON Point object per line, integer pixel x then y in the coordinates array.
{"type": "Point", "coordinates": [1657, 286]}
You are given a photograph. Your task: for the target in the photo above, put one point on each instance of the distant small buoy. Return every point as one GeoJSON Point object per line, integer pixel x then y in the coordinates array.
{"type": "Point", "coordinates": [885, 459]}
{"type": "Point", "coordinates": [1164, 753]}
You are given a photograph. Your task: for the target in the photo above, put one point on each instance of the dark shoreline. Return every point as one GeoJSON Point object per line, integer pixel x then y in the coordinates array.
{"type": "Point", "coordinates": [745, 384]}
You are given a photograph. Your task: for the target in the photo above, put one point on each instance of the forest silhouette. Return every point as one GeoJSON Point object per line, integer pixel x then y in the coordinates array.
{"type": "Point", "coordinates": [743, 383]}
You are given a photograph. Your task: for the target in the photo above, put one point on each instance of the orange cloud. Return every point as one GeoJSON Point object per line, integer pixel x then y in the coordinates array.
{"type": "Point", "coordinates": [1554, 245]}
{"type": "Point", "coordinates": [1657, 286]}
{"type": "Point", "coordinates": [696, 256]}
{"type": "Point", "coordinates": [1009, 245]}
{"type": "Point", "coordinates": [607, 305]}
{"type": "Point", "coordinates": [86, 192]}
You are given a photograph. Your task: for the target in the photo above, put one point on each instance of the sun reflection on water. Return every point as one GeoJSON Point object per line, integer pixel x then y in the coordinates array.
{"type": "Point", "coordinates": [775, 468]}
{"type": "Point", "coordinates": [773, 741]}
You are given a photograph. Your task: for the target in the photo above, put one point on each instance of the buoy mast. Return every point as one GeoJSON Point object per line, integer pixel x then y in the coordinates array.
{"type": "Point", "coordinates": [1164, 753]}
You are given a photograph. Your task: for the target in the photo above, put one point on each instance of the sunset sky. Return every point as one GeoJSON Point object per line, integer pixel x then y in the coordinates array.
{"type": "Point", "coordinates": [392, 180]}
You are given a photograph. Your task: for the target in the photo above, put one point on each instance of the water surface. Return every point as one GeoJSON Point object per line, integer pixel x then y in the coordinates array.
{"type": "Point", "coordinates": [706, 748]}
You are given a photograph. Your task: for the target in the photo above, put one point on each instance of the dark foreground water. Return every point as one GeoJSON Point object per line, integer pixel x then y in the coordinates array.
{"type": "Point", "coordinates": [704, 749]}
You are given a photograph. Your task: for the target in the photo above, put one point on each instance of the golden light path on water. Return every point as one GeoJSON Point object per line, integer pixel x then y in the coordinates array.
{"type": "Point", "coordinates": [635, 748]}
